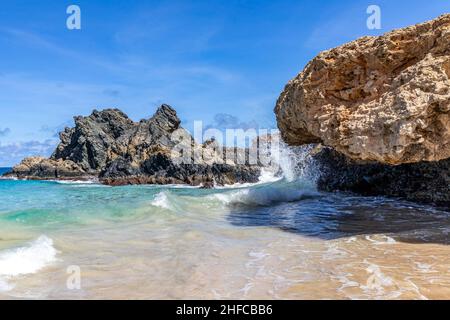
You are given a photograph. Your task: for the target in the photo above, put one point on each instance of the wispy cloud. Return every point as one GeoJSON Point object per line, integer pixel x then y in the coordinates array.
{"type": "Point", "coordinates": [161, 24]}
{"type": "Point", "coordinates": [111, 92]}
{"type": "Point", "coordinates": [11, 154]}
{"type": "Point", "coordinates": [223, 121]}
{"type": "Point", "coordinates": [35, 40]}
{"type": "Point", "coordinates": [30, 93]}
{"type": "Point", "coordinates": [56, 130]}
{"type": "Point", "coordinates": [4, 132]}
{"type": "Point", "coordinates": [219, 74]}
{"type": "Point", "coordinates": [336, 27]}
{"type": "Point", "coordinates": [138, 66]}
{"type": "Point", "coordinates": [35, 108]}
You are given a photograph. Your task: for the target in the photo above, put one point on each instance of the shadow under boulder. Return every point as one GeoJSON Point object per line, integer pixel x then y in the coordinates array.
{"type": "Point", "coordinates": [425, 182]}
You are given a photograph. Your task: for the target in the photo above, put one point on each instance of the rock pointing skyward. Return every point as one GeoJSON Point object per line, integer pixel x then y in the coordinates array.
{"type": "Point", "coordinates": [384, 98]}
{"type": "Point", "coordinates": [110, 147]}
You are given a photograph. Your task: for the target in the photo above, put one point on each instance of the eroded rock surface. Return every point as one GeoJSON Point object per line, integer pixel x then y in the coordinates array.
{"type": "Point", "coordinates": [383, 98]}
{"type": "Point", "coordinates": [42, 168]}
{"type": "Point", "coordinates": [110, 147]}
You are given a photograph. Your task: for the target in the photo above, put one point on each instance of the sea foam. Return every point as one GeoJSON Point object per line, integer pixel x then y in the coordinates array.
{"type": "Point", "coordinates": [76, 182]}
{"type": "Point", "coordinates": [264, 195]}
{"type": "Point", "coordinates": [161, 200]}
{"type": "Point", "coordinates": [26, 260]}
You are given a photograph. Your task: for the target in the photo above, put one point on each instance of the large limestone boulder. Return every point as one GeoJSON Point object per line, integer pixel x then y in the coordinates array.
{"type": "Point", "coordinates": [383, 98]}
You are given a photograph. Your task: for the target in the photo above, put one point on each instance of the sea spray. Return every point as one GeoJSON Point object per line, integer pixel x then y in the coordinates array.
{"type": "Point", "coordinates": [294, 163]}
{"type": "Point", "coordinates": [161, 200]}
{"type": "Point", "coordinates": [265, 195]}
{"type": "Point", "coordinates": [291, 177]}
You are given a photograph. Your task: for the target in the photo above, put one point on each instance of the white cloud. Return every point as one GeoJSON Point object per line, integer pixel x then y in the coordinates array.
{"type": "Point", "coordinates": [11, 154]}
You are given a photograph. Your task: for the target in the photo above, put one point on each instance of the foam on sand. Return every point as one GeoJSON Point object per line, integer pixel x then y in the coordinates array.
{"type": "Point", "coordinates": [28, 259]}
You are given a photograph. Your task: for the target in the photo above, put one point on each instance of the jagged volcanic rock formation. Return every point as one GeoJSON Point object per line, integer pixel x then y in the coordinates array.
{"type": "Point", "coordinates": [108, 146]}
{"type": "Point", "coordinates": [385, 99]}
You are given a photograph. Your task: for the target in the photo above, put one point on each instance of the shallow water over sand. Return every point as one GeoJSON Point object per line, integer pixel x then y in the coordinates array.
{"type": "Point", "coordinates": [276, 240]}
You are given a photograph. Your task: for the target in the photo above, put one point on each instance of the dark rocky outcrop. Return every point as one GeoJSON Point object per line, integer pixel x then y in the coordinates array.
{"type": "Point", "coordinates": [45, 169]}
{"type": "Point", "coordinates": [425, 182]}
{"type": "Point", "coordinates": [160, 169]}
{"type": "Point", "coordinates": [110, 147]}
{"type": "Point", "coordinates": [106, 135]}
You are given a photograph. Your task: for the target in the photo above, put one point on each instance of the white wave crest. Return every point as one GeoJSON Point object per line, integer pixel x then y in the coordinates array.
{"type": "Point", "coordinates": [381, 240]}
{"type": "Point", "coordinates": [9, 178]}
{"type": "Point", "coordinates": [161, 200]}
{"type": "Point", "coordinates": [268, 176]}
{"type": "Point", "coordinates": [263, 196]}
{"type": "Point", "coordinates": [25, 260]}
{"type": "Point", "coordinates": [294, 163]}
{"type": "Point", "coordinates": [76, 182]}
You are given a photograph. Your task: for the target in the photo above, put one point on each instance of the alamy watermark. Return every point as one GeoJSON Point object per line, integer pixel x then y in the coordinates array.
{"type": "Point", "coordinates": [73, 22]}
{"type": "Point", "coordinates": [374, 19]}
{"type": "Point", "coordinates": [74, 279]}
{"type": "Point", "coordinates": [231, 146]}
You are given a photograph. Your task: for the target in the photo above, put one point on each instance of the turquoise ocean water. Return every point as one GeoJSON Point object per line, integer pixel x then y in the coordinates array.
{"type": "Point", "coordinates": [249, 241]}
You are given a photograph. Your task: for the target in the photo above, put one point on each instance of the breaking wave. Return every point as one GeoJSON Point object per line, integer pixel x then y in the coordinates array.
{"type": "Point", "coordinates": [161, 200]}
{"type": "Point", "coordinates": [25, 260]}
{"type": "Point", "coordinates": [264, 196]}
{"type": "Point", "coordinates": [292, 177]}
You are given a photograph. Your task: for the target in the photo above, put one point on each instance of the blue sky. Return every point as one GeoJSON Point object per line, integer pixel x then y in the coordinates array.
{"type": "Point", "coordinates": [205, 58]}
